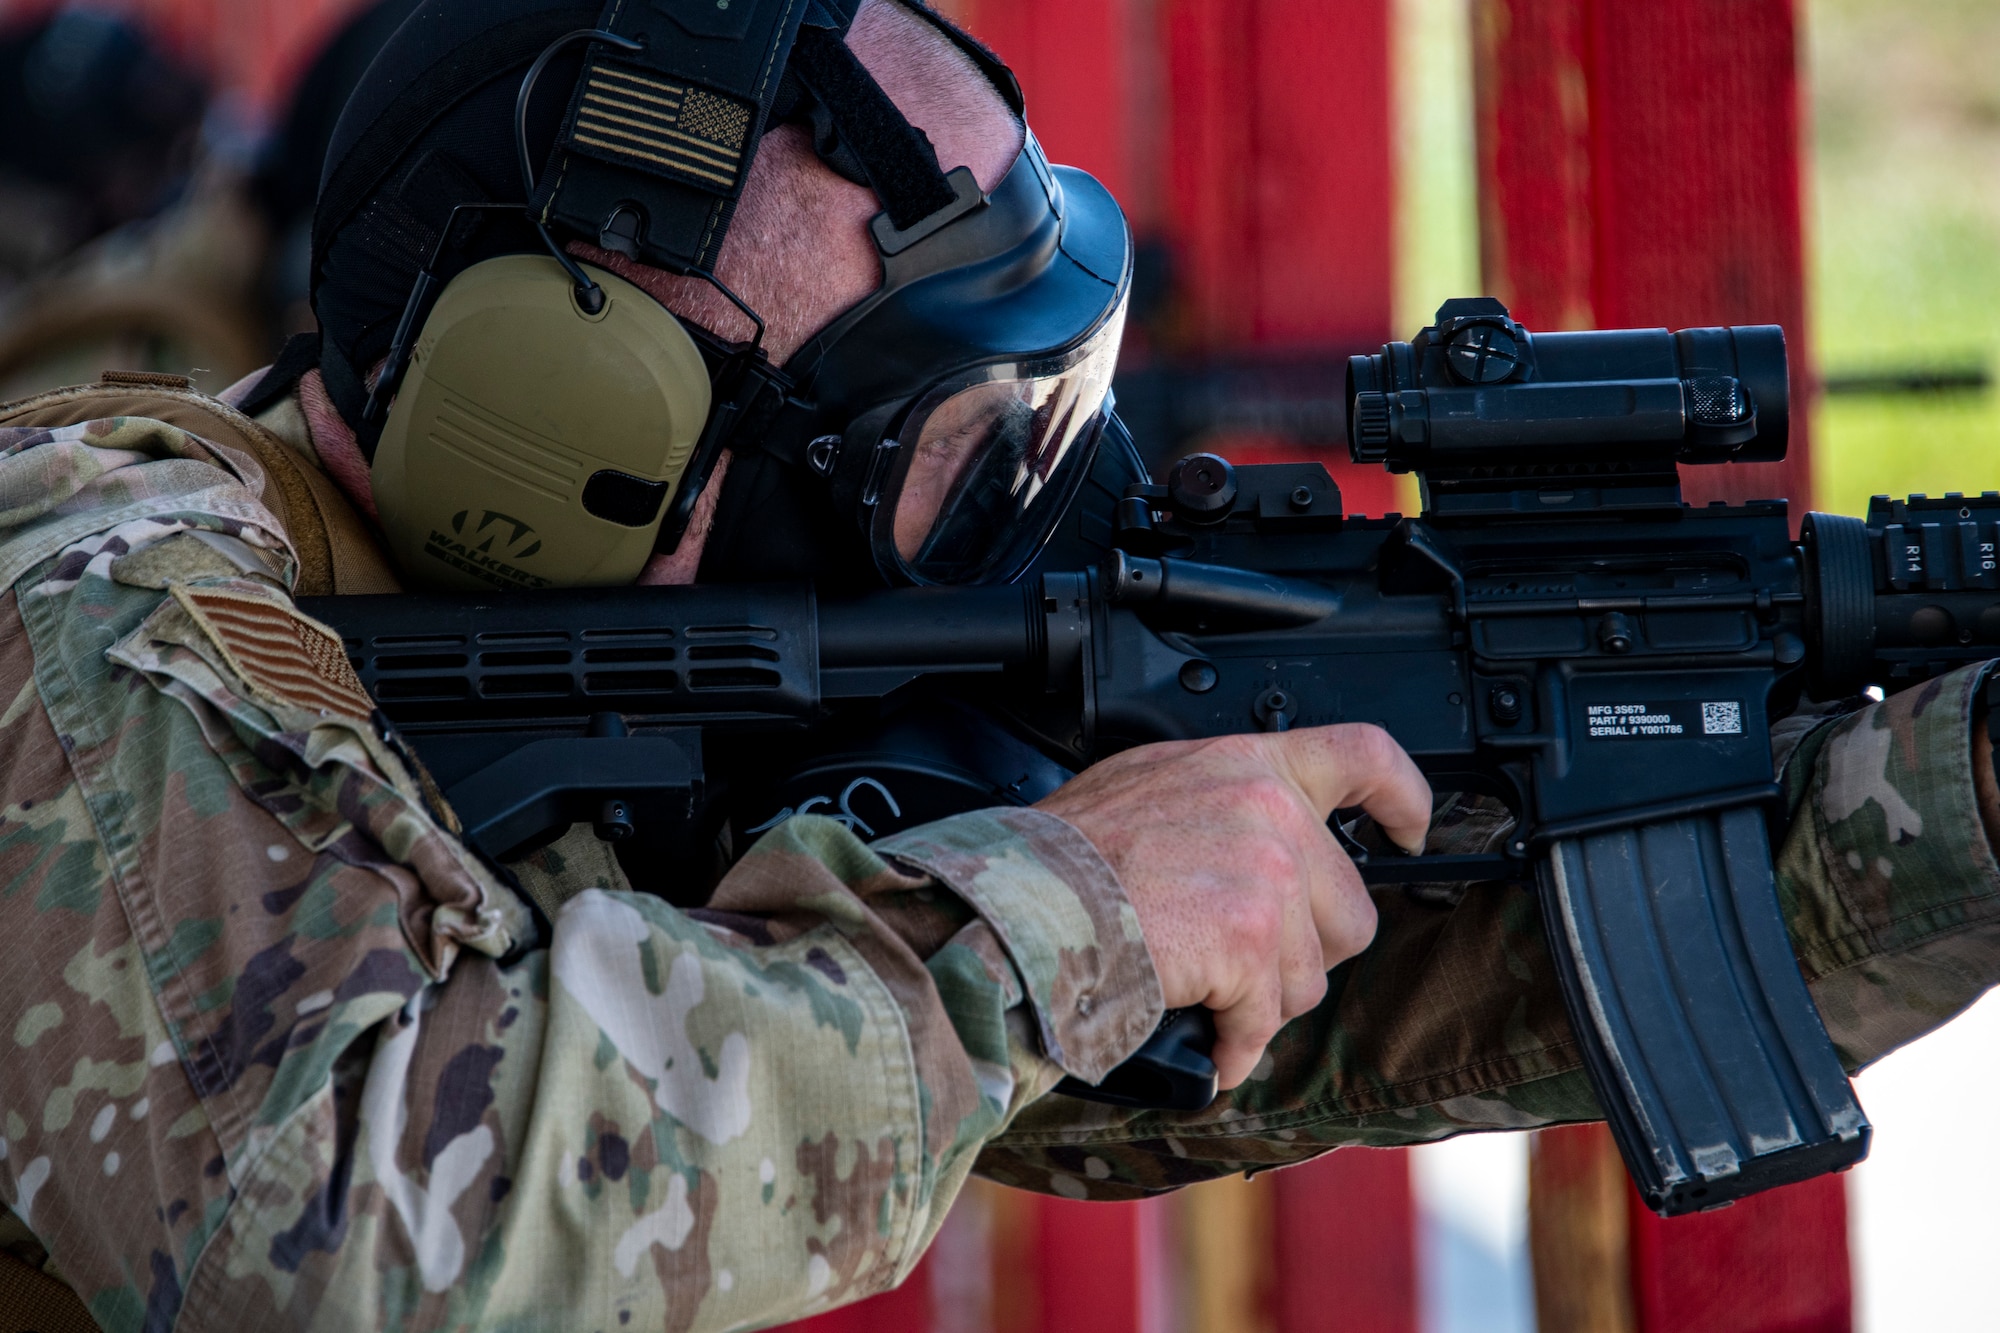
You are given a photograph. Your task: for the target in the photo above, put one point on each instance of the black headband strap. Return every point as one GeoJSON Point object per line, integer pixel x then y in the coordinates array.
{"type": "Point", "coordinates": [657, 143]}
{"type": "Point", "coordinates": [895, 156]}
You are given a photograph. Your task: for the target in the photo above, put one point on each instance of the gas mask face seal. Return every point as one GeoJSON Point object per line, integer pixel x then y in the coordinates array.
{"type": "Point", "coordinates": [985, 463]}
{"type": "Point", "coordinates": [954, 414]}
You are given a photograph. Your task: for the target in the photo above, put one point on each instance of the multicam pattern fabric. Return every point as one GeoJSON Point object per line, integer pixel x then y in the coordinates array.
{"type": "Point", "coordinates": [285, 1053]}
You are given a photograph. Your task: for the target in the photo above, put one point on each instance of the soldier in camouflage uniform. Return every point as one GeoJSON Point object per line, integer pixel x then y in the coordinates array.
{"type": "Point", "coordinates": [287, 1054]}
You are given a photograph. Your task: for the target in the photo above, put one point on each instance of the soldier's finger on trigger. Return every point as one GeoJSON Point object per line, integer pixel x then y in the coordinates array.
{"type": "Point", "coordinates": [1243, 1030]}
{"type": "Point", "coordinates": [1302, 971]}
{"type": "Point", "coordinates": [1343, 913]}
{"type": "Point", "coordinates": [1356, 763]}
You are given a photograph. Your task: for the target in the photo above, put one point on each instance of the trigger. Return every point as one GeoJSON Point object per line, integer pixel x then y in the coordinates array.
{"type": "Point", "coordinates": [1348, 842]}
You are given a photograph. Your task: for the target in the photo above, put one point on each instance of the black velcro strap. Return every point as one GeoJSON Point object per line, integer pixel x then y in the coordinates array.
{"type": "Point", "coordinates": [301, 354]}
{"type": "Point", "coordinates": [897, 157]}
{"type": "Point", "coordinates": [657, 142]}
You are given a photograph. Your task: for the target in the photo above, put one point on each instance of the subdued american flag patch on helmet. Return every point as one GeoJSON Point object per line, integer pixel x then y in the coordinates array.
{"type": "Point", "coordinates": [280, 655]}
{"type": "Point", "coordinates": [634, 115]}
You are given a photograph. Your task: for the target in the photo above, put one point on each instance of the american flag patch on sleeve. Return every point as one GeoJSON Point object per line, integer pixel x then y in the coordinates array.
{"type": "Point", "coordinates": [634, 116]}
{"type": "Point", "coordinates": [280, 655]}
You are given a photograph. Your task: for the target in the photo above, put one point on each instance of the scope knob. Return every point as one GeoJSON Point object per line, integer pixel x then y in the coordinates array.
{"type": "Point", "coordinates": [1372, 425]}
{"type": "Point", "coordinates": [1202, 488]}
{"type": "Point", "coordinates": [1483, 353]}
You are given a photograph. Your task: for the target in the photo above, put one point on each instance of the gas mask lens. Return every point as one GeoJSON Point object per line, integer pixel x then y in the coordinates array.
{"type": "Point", "coordinates": [986, 463]}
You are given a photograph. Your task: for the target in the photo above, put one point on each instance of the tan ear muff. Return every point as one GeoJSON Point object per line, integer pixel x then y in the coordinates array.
{"type": "Point", "coordinates": [533, 445]}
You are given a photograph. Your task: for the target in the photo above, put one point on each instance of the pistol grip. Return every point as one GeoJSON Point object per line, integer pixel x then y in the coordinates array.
{"type": "Point", "coordinates": [1171, 1072]}
{"type": "Point", "coordinates": [1700, 1038]}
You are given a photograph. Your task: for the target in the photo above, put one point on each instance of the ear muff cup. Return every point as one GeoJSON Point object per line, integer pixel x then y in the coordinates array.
{"type": "Point", "coordinates": [532, 445]}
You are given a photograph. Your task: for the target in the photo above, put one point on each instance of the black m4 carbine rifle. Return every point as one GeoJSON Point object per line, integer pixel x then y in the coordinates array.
{"type": "Point", "coordinates": [1557, 630]}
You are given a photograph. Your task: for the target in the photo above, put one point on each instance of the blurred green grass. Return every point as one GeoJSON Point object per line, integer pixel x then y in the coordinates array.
{"type": "Point", "coordinates": [1437, 194]}
{"type": "Point", "coordinates": [1437, 186]}
{"type": "Point", "coordinates": [1905, 239]}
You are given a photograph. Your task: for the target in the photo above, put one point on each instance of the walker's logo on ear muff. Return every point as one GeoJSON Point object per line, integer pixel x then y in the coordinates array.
{"type": "Point", "coordinates": [486, 545]}
{"type": "Point", "coordinates": [520, 540]}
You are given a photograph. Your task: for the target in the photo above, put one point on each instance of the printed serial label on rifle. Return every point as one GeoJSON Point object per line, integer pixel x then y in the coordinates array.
{"type": "Point", "coordinates": [1662, 721]}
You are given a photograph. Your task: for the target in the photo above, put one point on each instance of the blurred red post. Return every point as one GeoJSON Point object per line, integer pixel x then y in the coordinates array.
{"type": "Point", "coordinates": [1279, 207]}
{"type": "Point", "coordinates": [1773, 1263]}
{"type": "Point", "coordinates": [1091, 1267]}
{"type": "Point", "coordinates": [1280, 185]}
{"type": "Point", "coordinates": [1251, 140]}
{"type": "Point", "coordinates": [1280, 190]}
{"type": "Point", "coordinates": [1641, 164]}
{"type": "Point", "coordinates": [1076, 61]}
{"type": "Point", "coordinates": [1345, 1241]}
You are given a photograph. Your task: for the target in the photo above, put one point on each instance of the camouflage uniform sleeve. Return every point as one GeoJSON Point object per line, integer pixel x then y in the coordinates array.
{"type": "Point", "coordinates": [1888, 875]}
{"type": "Point", "coordinates": [287, 1054]}
{"type": "Point", "coordinates": [1452, 1020]}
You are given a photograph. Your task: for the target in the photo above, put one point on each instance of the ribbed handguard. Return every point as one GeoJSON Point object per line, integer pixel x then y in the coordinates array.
{"type": "Point", "coordinates": [1702, 1043]}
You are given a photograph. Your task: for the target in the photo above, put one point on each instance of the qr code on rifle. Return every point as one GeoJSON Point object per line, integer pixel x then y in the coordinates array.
{"type": "Point", "coordinates": [1722, 719]}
